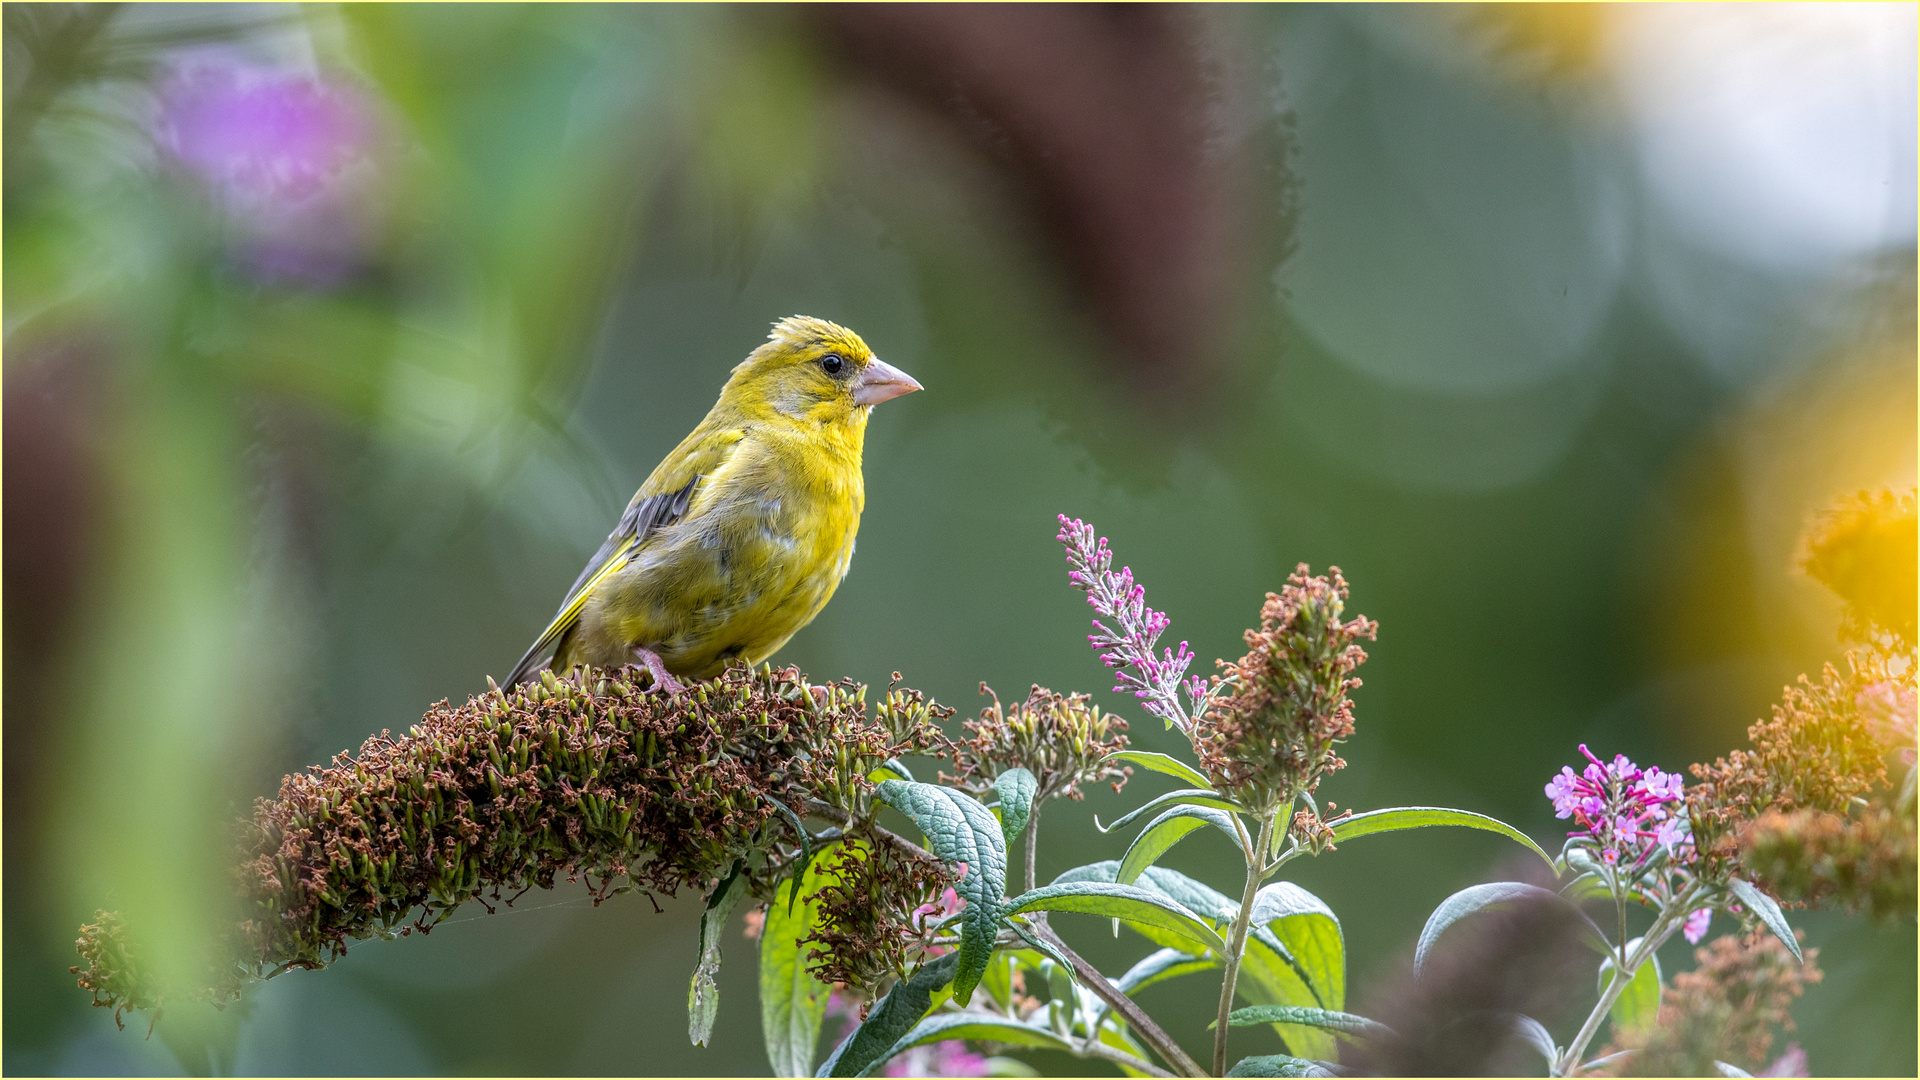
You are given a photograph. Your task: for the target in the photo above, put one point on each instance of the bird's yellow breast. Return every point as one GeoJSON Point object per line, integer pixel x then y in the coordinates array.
{"type": "Point", "coordinates": [761, 550]}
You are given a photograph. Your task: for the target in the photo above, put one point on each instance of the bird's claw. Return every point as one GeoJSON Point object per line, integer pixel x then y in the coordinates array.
{"type": "Point", "coordinates": [662, 678]}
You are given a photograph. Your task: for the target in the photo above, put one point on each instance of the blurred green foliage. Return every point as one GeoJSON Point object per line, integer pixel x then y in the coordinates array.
{"type": "Point", "coordinates": [261, 509]}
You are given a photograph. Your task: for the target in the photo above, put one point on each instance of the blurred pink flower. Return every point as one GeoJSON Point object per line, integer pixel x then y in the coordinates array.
{"type": "Point", "coordinates": [1889, 711]}
{"type": "Point", "coordinates": [949, 1058]}
{"type": "Point", "coordinates": [1791, 1063]}
{"type": "Point", "coordinates": [287, 157]}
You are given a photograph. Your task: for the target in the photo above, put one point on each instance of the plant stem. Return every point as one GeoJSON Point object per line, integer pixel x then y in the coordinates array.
{"type": "Point", "coordinates": [1030, 843]}
{"type": "Point", "coordinates": [1237, 943]}
{"type": "Point", "coordinates": [1142, 1024]}
{"type": "Point", "coordinates": [1623, 973]}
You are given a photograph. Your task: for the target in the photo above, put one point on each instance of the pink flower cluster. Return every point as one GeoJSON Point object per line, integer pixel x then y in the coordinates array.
{"type": "Point", "coordinates": [1629, 812]}
{"type": "Point", "coordinates": [1889, 711]}
{"type": "Point", "coordinates": [1154, 679]}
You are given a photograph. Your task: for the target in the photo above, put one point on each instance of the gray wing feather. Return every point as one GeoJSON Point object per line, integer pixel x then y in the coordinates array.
{"type": "Point", "coordinates": [642, 518]}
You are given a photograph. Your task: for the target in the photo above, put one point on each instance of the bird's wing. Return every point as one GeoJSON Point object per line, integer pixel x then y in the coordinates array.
{"type": "Point", "coordinates": [660, 502]}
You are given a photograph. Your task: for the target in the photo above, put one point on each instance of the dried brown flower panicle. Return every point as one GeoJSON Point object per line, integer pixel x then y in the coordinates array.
{"type": "Point", "coordinates": [1865, 863]}
{"type": "Point", "coordinates": [1063, 739]}
{"type": "Point", "coordinates": [1724, 1010]}
{"type": "Point", "coordinates": [1815, 752]}
{"type": "Point", "coordinates": [1272, 737]}
{"type": "Point", "coordinates": [1810, 812]}
{"type": "Point", "coordinates": [587, 778]}
{"type": "Point", "coordinates": [876, 910]}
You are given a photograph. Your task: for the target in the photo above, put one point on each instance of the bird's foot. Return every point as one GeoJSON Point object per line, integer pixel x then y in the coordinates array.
{"type": "Point", "coordinates": [662, 678]}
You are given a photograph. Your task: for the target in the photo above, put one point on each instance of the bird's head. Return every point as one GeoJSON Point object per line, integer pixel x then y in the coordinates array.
{"type": "Point", "coordinates": [811, 369]}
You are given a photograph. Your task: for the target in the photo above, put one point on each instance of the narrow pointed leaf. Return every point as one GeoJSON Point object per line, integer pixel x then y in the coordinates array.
{"type": "Point", "coordinates": [1162, 763]}
{"type": "Point", "coordinates": [1167, 830]}
{"type": "Point", "coordinates": [1585, 887]}
{"type": "Point", "coordinates": [1535, 1035]}
{"type": "Point", "coordinates": [897, 1013]}
{"type": "Point", "coordinates": [1763, 906]}
{"type": "Point", "coordinates": [703, 996]}
{"type": "Point", "coordinates": [1160, 966]}
{"type": "Point", "coordinates": [806, 847]}
{"type": "Point", "coordinates": [1183, 796]}
{"type": "Point", "coordinates": [1729, 1070]}
{"type": "Point", "coordinates": [970, 1025]}
{"type": "Point", "coordinates": [960, 830]}
{"type": "Point", "coordinates": [1492, 895]}
{"type": "Point", "coordinates": [1421, 817]}
{"type": "Point", "coordinates": [1345, 1023]}
{"type": "Point", "coordinates": [1124, 902]}
{"type": "Point", "coordinates": [792, 1001]}
{"type": "Point", "coordinates": [1015, 788]}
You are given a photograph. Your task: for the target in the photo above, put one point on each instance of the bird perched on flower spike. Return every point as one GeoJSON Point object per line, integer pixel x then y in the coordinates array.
{"type": "Point", "coordinates": [741, 535]}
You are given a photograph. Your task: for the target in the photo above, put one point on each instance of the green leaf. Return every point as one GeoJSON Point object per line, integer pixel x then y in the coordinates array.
{"type": "Point", "coordinates": [1493, 895]}
{"type": "Point", "coordinates": [792, 1001]}
{"type": "Point", "coordinates": [806, 847]}
{"type": "Point", "coordinates": [970, 1025]}
{"type": "Point", "coordinates": [1640, 1001]}
{"type": "Point", "coordinates": [1279, 1065]}
{"type": "Point", "coordinates": [999, 1065]}
{"type": "Point", "coordinates": [1162, 965]}
{"type": "Point", "coordinates": [960, 830]}
{"type": "Point", "coordinates": [1015, 788]}
{"type": "Point", "coordinates": [1162, 763]}
{"type": "Point", "coordinates": [1535, 1034]}
{"type": "Point", "coordinates": [1186, 796]}
{"type": "Point", "coordinates": [998, 980]}
{"type": "Point", "coordinates": [1763, 906]}
{"type": "Point", "coordinates": [1422, 817]}
{"type": "Point", "coordinates": [1346, 1023]}
{"type": "Point", "coordinates": [897, 1013]}
{"type": "Point", "coordinates": [1167, 830]}
{"type": "Point", "coordinates": [703, 996]}
{"type": "Point", "coordinates": [1127, 903]}
{"type": "Point", "coordinates": [891, 769]}
{"type": "Point", "coordinates": [1309, 935]}
{"type": "Point", "coordinates": [1587, 886]}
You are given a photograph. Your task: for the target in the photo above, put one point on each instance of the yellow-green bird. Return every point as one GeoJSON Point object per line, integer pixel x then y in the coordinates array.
{"type": "Point", "coordinates": [740, 536]}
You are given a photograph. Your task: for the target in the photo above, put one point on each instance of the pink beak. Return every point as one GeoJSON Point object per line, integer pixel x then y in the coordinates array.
{"type": "Point", "coordinates": [880, 381]}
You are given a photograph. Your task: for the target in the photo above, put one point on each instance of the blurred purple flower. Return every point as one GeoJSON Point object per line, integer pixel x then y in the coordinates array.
{"type": "Point", "coordinates": [1697, 924]}
{"type": "Point", "coordinates": [1154, 679]}
{"type": "Point", "coordinates": [1629, 812]}
{"type": "Point", "coordinates": [286, 156]}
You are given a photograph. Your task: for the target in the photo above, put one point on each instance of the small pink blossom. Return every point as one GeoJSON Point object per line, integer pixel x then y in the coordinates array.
{"type": "Point", "coordinates": [1696, 927]}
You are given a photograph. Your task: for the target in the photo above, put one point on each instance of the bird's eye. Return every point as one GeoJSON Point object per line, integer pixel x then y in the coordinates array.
{"type": "Point", "coordinates": [833, 363]}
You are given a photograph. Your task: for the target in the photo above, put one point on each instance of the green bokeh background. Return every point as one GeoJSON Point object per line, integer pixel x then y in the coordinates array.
{"type": "Point", "coordinates": [1560, 446]}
